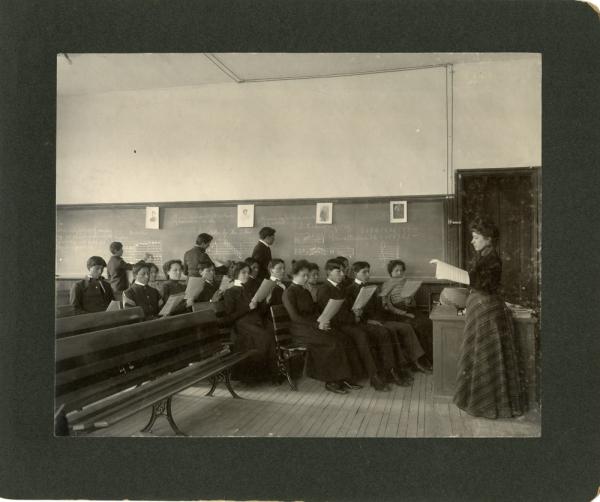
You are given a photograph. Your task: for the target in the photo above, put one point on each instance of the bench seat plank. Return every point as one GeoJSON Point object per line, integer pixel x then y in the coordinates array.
{"type": "Point", "coordinates": [130, 402]}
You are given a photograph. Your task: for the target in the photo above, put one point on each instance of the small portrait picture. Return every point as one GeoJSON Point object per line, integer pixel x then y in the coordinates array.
{"type": "Point", "coordinates": [152, 218]}
{"type": "Point", "coordinates": [245, 216]}
{"type": "Point", "coordinates": [324, 213]}
{"type": "Point", "coordinates": [398, 211]}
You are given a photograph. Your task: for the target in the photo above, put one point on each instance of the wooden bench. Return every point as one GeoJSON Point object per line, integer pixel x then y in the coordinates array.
{"type": "Point", "coordinates": [226, 332]}
{"type": "Point", "coordinates": [285, 346]}
{"type": "Point", "coordinates": [105, 376]}
{"type": "Point", "coordinates": [75, 325]}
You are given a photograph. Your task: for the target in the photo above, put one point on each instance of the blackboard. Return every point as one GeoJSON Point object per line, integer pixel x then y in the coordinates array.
{"type": "Point", "coordinates": [360, 231]}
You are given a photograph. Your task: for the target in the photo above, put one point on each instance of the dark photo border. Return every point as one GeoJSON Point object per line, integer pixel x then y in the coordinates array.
{"type": "Point", "coordinates": [561, 465]}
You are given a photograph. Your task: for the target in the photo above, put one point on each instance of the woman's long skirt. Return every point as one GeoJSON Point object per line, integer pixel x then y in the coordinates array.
{"type": "Point", "coordinates": [327, 359]}
{"type": "Point", "coordinates": [488, 373]}
{"type": "Point", "coordinates": [251, 334]}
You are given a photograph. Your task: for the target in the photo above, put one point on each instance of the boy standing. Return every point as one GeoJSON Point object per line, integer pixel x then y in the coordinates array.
{"type": "Point", "coordinates": [117, 270]}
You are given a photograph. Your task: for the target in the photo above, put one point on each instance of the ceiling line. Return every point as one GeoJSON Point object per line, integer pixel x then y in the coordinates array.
{"type": "Point", "coordinates": [335, 75]}
{"type": "Point", "coordinates": [219, 64]}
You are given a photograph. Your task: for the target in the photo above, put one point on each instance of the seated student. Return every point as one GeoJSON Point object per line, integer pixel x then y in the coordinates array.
{"type": "Point", "coordinates": [173, 285]}
{"type": "Point", "coordinates": [398, 308]}
{"type": "Point", "coordinates": [327, 356]}
{"type": "Point", "coordinates": [406, 347]}
{"type": "Point", "coordinates": [253, 281]}
{"type": "Point", "coordinates": [211, 291]}
{"type": "Point", "coordinates": [347, 281]}
{"type": "Point", "coordinates": [92, 294]}
{"type": "Point", "coordinates": [383, 339]}
{"type": "Point", "coordinates": [345, 322]}
{"type": "Point", "coordinates": [116, 270]}
{"type": "Point", "coordinates": [140, 294]}
{"type": "Point", "coordinates": [276, 274]}
{"type": "Point", "coordinates": [312, 283]}
{"type": "Point", "coordinates": [153, 275]}
{"type": "Point", "coordinates": [251, 333]}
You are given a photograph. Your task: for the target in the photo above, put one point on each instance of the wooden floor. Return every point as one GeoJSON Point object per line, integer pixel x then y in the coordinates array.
{"type": "Point", "coordinates": [268, 410]}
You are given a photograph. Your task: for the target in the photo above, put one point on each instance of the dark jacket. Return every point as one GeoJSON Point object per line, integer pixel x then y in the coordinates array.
{"type": "Point", "coordinates": [328, 291]}
{"type": "Point", "coordinates": [192, 259]}
{"type": "Point", "coordinates": [262, 254]}
{"type": "Point", "coordinates": [372, 310]}
{"type": "Point", "coordinates": [169, 288]}
{"type": "Point", "coordinates": [91, 295]}
{"type": "Point", "coordinates": [116, 270]}
{"type": "Point", "coordinates": [146, 297]}
{"type": "Point", "coordinates": [300, 305]}
{"type": "Point", "coordinates": [485, 272]}
{"type": "Point", "coordinates": [236, 301]}
{"type": "Point", "coordinates": [208, 292]}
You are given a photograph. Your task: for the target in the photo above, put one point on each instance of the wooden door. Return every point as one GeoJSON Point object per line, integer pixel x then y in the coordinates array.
{"type": "Point", "coordinates": [510, 198]}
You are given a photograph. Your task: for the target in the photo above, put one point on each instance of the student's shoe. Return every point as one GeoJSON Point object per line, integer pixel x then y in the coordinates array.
{"type": "Point", "coordinates": [400, 380]}
{"type": "Point", "coordinates": [350, 385]}
{"type": "Point", "coordinates": [335, 387]}
{"type": "Point", "coordinates": [379, 384]}
{"type": "Point", "coordinates": [422, 368]}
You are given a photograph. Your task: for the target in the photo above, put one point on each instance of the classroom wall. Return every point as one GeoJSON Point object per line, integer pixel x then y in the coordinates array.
{"type": "Point", "coordinates": [359, 136]}
{"type": "Point", "coordinates": [167, 144]}
{"type": "Point", "coordinates": [498, 114]}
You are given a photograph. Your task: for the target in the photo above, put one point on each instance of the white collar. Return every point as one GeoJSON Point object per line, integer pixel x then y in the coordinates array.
{"type": "Point", "coordinates": [274, 279]}
{"type": "Point", "coordinates": [139, 283]}
{"type": "Point", "coordinates": [359, 282]}
{"type": "Point", "coordinates": [335, 284]}
{"type": "Point", "coordinates": [297, 284]}
{"type": "Point", "coordinates": [208, 282]}
{"type": "Point", "coordinates": [237, 282]}
{"type": "Point", "coordinates": [268, 245]}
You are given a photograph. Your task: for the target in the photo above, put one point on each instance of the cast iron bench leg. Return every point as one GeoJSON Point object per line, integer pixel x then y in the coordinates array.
{"type": "Point", "coordinates": [163, 407]}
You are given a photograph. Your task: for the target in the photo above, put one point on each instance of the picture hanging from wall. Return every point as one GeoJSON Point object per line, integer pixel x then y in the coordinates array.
{"type": "Point", "coordinates": [245, 216]}
{"type": "Point", "coordinates": [324, 213]}
{"type": "Point", "coordinates": [398, 211]}
{"type": "Point", "coordinates": [152, 218]}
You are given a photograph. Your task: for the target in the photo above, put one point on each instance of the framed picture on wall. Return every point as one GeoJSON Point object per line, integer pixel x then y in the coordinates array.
{"type": "Point", "coordinates": [152, 218]}
{"type": "Point", "coordinates": [245, 216]}
{"type": "Point", "coordinates": [324, 213]}
{"type": "Point", "coordinates": [398, 211]}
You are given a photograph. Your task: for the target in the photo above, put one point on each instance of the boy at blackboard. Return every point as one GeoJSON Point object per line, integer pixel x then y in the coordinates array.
{"type": "Point", "coordinates": [193, 257]}
{"type": "Point", "coordinates": [345, 322]}
{"type": "Point", "coordinates": [398, 308]}
{"type": "Point", "coordinates": [140, 294]}
{"type": "Point", "coordinates": [92, 294]}
{"type": "Point", "coordinates": [117, 270]}
{"type": "Point", "coordinates": [211, 291]}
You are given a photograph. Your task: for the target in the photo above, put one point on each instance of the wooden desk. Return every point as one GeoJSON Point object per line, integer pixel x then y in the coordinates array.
{"type": "Point", "coordinates": [447, 338]}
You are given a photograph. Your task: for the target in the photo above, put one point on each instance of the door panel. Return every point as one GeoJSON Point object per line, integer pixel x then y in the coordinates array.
{"type": "Point", "coordinates": [510, 198]}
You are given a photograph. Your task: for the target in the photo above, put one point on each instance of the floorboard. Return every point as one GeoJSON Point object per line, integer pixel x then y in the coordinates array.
{"type": "Point", "coordinates": [271, 410]}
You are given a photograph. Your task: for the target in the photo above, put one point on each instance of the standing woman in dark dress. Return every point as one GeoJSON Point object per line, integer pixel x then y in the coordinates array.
{"type": "Point", "coordinates": [327, 356]}
{"type": "Point", "coordinates": [251, 333]}
{"type": "Point", "coordinates": [488, 374]}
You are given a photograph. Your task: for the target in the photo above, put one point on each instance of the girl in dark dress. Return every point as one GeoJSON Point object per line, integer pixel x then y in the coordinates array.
{"type": "Point", "coordinates": [251, 332]}
{"type": "Point", "coordinates": [92, 294]}
{"type": "Point", "coordinates": [142, 295]}
{"type": "Point", "coordinates": [327, 358]}
{"type": "Point", "coordinates": [488, 377]}
{"type": "Point", "coordinates": [173, 286]}
{"type": "Point", "coordinates": [277, 274]}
